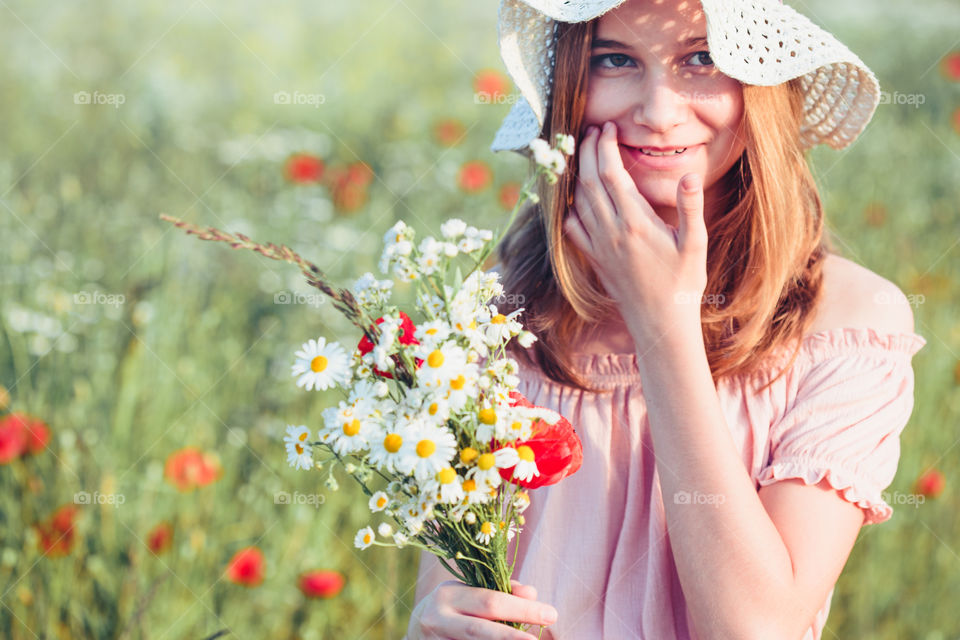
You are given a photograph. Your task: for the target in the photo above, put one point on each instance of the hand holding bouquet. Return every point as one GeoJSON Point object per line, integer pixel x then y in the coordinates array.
{"type": "Point", "coordinates": [431, 412]}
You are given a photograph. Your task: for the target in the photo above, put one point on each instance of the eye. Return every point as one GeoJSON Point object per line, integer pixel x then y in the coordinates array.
{"type": "Point", "coordinates": [705, 58]}
{"type": "Point", "coordinates": [613, 57]}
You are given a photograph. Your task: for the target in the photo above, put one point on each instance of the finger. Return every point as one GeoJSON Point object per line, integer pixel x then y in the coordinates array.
{"type": "Point", "coordinates": [496, 605]}
{"type": "Point", "coordinates": [573, 226]}
{"type": "Point", "coordinates": [590, 197]}
{"type": "Point", "coordinates": [692, 232]}
{"type": "Point", "coordinates": [620, 188]}
{"type": "Point", "coordinates": [527, 591]}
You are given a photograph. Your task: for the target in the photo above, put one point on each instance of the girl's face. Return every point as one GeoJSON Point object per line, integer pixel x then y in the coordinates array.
{"type": "Point", "coordinates": [651, 74]}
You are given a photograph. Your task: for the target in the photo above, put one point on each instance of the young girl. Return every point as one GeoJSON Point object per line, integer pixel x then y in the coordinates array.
{"type": "Point", "coordinates": [739, 389]}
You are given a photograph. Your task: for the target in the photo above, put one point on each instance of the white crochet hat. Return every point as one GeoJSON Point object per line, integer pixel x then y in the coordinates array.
{"type": "Point", "coordinates": [758, 42]}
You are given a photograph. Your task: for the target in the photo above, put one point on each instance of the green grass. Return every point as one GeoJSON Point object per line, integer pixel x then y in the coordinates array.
{"type": "Point", "coordinates": [198, 352]}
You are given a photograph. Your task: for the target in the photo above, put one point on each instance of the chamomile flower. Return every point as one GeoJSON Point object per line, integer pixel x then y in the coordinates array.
{"type": "Point", "coordinates": [526, 468]}
{"type": "Point", "coordinates": [400, 539]}
{"type": "Point", "coordinates": [385, 530]}
{"type": "Point", "coordinates": [364, 538]}
{"type": "Point", "coordinates": [299, 453]}
{"type": "Point", "coordinates": [565, 143]}
{"type": "Point", "coordinates": [378, 502]}
{"type": "Point", "coordinates": [431, 448]}
{"type": "Point", "coordinates": [511, 531]}
{"type": "Point", "coordinates": [440, 363]}
{"type": "Point", "coordinates": [487, 470]}
{"type": "Point", "coordinates": [389, 445]}
{"type": "Point", "coordinates": [453, 228]}
{"type": "Point", "coordinates": [445, 486]}
{"type": "Point", "coordinates": [321, 365]}
{"type": "Point", "coordinates": [487, 531]}
{"type": "Point", "coordinates": [501, 328]}
{"type": "Point", "coordinates": [461, 388]}
{"type": "Point", "coordinates": [432, 333]}
{"type": "Point", "coordinates": [345, 430]}
{"type": "Point", "coordinates": [521, 500]}
{"type": "Point", "coordinates": [474, 494]}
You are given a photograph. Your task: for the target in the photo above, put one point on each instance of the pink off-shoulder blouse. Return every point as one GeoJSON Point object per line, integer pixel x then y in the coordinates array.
{"type": "Point", "coordinates": [595, 545]}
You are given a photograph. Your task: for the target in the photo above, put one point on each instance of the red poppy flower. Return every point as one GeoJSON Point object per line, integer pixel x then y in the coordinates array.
{"type": "Point", "coordinates": [57, 533]}
{"type": "Point", "coordinates": [13, 438]}
{"type": "Point", "coordinates": [407, 329]}
{"type": "Point", "coordinates": [190, 468]}
{"type": "Point", "coordinates": [490, 85]}
{"type": "Point", "coordinates": [448, 132]}
{"type": "Point", "coordinates": [320, 583]}
{"type": "Point", "coordinates": [930, 484]}
{"type": "Point", "coordinates": [38, 434]}
{"type": "Point", "coordinates": [556, 448]}
{"type": "Point", "coordinates": [304, 168]}
{"type": "Point", "coordinates": [509, 194]}
{"type": "Point", "coordinates": [246, 567]}
{"type": "Point", "coordinates": [160, 538]}
{"type": "Point", "coordinates": [349, 186]}
{"type": "Point", "coordinates": [950, 66]}
{"type": "Point", "coordinates": [474, 176]}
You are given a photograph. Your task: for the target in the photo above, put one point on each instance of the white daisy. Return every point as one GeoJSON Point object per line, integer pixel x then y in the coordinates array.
{"type": "Point", "coordinates": [445, 486]}
{"type": "Point", "coordinates": [432, 332]}
{"type": "Point", "coordinates": [400, 539]}
{"type": "Point", "coordinates": [487, 470]}
{"type": "Point", "coordinates": [345, 430]}
{"type": "Point", "coordinates": [364, 538]}
{"type": "Point", "coordinates": [487, 531]}
{"type": "Point", "coordinates": [512, 531]}
{"type": "Point", "coordinates": [501, 327]}
{"type": "Point", "coordinates": [474, 494]}
{"type": "Point", "coordinates": [299, 453]}
{"type": "Point", "coordinates": [388, 446]}
{"type": "Point", "coordinates": [430, 449]}
{"type": "Point", "coordinates": [385, 530]}
{"type": "Point", "coordinates": [526, 468]}
{"type": "Point", "coordinates": [440, 363]}
{"type": "Point", "coordinates": [453, 228]}
{"type": "Point", "coordinates": [321, 365]}
{"type": "Point", "coordinates": [521, 500]}
{"type": "Point", "coordinates": [378, 502]}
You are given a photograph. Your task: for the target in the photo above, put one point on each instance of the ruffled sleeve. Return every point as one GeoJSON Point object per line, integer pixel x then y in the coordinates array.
{"type": "Point", "coordinates": [853, 399]}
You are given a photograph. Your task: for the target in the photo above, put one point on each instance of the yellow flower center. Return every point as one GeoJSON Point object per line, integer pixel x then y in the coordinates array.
{"type": "Point", "coordinates": [381, 502]}
{"type": "Point", "coordinates": [470, 485]}
{"type": "Point", "coordinates": [473, 324]}
{"type": "Point", "coordinates": [351, 428]}
{"type": "Point", "coordinates": [425, 448]}
{"type": "Point", "coordinates": [435, 359]}
{"type": "Point", "coordinates": [458, 382]}
{"type": "Point", "coordinates": [433, 408]}
{"type": "Point", "coordinates": [298, 448]}
{"type": "Point", "coordinates": [488, 416]}
{"type": "Point", "coordinates": [525, 453]}
{"type": "Point", "coordinates": [393, 442]}
{"type": "Point", "coordinates": [318, 364]}
{"type": "Point", "coordinates": [431, 331]}
{"type": "Point", "coordinates": [446, 476]}
{"type": "Point", "coordinates": [468, 455]}
{"type": "Point", "coordinates": [303, 436]}
{"type": "Point", "coordinates": [516, 426]}
{"type": "Point", "coordinates": [366, 538]}
{"type": "Point", "coordinates": [486, 461]}
{"type": "Point", "coordinates": [487, 528]}
{"type": "Point", "coordinates": [498, 319]}
{"type": "Point", "coordinates": [503, 525]}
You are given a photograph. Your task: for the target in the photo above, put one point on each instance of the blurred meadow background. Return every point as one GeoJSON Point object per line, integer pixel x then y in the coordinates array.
{"type": "Point", "coordinates": [150, 371]}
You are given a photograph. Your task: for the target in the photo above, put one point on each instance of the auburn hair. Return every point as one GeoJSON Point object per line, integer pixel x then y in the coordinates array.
{"type": "Point", "coordinates": [765, 251]}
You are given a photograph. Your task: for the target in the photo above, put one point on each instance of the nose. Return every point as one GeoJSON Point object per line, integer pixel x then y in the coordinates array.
{"type": "Point", "coordinates": [661, 106]}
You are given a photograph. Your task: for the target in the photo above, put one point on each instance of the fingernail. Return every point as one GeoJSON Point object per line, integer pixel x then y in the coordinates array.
{"type": "Point", "coordinates": [549, 615]}
{"type": "Point", "coordinates": [608, 126]}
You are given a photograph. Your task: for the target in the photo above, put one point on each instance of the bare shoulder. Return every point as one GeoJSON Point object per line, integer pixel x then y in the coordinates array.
{"type": "Point", "coordinates": [856, 297]}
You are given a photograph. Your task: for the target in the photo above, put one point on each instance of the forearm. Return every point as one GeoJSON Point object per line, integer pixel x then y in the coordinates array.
{"type": "Point", "coordinates": [734, 567]}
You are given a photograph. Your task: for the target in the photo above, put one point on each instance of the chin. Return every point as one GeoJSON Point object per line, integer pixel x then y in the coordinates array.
{"type": "Point", "coordinates": [659, 192]}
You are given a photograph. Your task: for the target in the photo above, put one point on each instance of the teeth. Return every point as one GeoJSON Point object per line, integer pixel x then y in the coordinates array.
{"type": "Point", "coordinates": [648, 152]}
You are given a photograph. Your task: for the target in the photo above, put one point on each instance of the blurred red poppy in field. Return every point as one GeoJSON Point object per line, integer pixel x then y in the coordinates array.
{"type": "Point", "coordinates": [246, 567]}
{"type": "Point", "coordinates": [489, 85]}
{"type": "Point", "coordinates": [509, 194]}
{"type": "Point", "coordinates": [407, 329]}
{"type": "Point", "coordinates": [556, 449]}
{"type": "Point", "coordinates": [474, 176]}
{"type": "Point", "coordinates": [190, 468]}
{"type": "Point", "coordinates": [13, 438]}
{"type": "Point", "coordinates": [57, 533]}
{"type": "Point", "coordinates": [448, 132]}
{"type": "Point", "coordinates": [160, 538]}
{"type": "Point", "coordinates": [950, 66]}
{"type": "Point", "coordinates": [875, 214]}
{"type": "Point", "coordinates": [304, 168]}
{"type": "Point", "coordinates": [349, 186]}
{"type": "Point", "coordinates": [321, 583]}
{"type": "Point", "coordinates": [930, 484]}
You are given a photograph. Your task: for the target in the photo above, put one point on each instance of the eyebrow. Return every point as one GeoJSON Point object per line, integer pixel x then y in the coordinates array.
{"type": "Point", "coordinates": [616, 44]}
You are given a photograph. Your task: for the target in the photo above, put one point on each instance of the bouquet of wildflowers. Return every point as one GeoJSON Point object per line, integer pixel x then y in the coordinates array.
{"type": "Point", "coordinates": [431, 409]}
